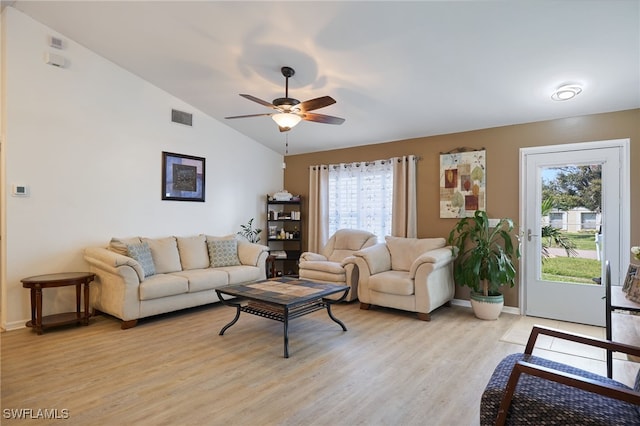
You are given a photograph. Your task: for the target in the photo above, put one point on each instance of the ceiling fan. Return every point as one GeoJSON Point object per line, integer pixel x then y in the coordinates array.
{"type": "Point", "coordinates": [291, 111]}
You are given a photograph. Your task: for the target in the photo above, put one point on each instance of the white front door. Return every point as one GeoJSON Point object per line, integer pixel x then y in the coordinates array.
{"type": "Point", "coordinates": [544, 294]}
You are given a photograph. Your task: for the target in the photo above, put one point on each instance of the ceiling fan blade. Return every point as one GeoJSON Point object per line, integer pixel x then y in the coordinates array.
{"type": "Point", "coordinates": [260, 101]}
{"type": "Point", "coordinates": [316, 103]}
{"type": "Point", "coordinates": [321, 118]}
{"type": "Point", "coordinates": [245, 116]}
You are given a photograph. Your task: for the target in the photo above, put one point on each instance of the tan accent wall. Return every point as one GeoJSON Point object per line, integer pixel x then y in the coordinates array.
{"type": "Point", "coordinates": [503, 149]}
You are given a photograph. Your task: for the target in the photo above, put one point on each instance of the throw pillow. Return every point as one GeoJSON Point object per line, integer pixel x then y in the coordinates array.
{"type": "Point", "coordinates": [165, 254]}
{"type": "Point", "coordinates": [223, 253]}
{"type": "Point", "coordinates": [193, 252]}
{"type": "Point", "coordinates": [142, 254]}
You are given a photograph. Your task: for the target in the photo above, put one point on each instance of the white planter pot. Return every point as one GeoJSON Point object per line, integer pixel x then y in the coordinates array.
{"type": "Point", "coordinates": [487, 307]}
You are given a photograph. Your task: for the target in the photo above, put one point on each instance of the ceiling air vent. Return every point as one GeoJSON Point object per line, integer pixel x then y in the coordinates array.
{"type": "Point", "coordinates": [56, 42]}
{"type": "Point", "coordinates": [181, 117]}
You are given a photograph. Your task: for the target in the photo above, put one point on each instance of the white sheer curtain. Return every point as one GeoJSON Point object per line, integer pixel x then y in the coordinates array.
{"type": "Point", "coordinates": [378, 196]}
{"type": "Point", "coordinates": [361, 196]}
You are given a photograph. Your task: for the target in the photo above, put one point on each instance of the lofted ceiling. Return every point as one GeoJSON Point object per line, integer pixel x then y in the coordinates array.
{"type": "Point", "coordinates": [397, 70]}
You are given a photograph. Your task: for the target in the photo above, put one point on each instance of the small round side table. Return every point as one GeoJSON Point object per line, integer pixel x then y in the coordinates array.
{"type": "Point", "coordinates": [37, 283]}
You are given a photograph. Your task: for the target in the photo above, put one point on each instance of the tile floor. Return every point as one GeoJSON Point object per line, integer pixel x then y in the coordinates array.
{"type": "Point", "coordinates": [580, 356]}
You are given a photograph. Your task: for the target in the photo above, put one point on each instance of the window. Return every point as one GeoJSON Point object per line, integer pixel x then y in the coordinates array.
{"type": "Point", "coordinates": [557, 220]}
{"type": "Point", "coordinates": [361, 196]}
{"type": "Point", "coordinates": [588, 220]}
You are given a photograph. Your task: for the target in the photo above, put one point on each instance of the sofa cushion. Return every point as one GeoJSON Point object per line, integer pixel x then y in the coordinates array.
{"type": "Point", "coordinates": [204, 279]}
{"type": "Point", "coordinates": [392, 282]}
{"type": "Point", "coordinates": [193, 252]}
{"type": "Point", "coordinates": [119, 245]}
{"type": "Point", "coordinates": [165, 254]}
{"type": "Point", "coordinates": [324, 266]}
{"type": "Point", "coordinates": [223, 253]}
{"type": "Point", "coordinates": [142, 254]}
{"type": "Point", "coordinates": [162, 285]}
{"type": "Point", "coordinates": [314, 275]}
{"type": "Point", "coordinates": [405, 250]}
{"type": "Point", "coordinates": [242, 274]}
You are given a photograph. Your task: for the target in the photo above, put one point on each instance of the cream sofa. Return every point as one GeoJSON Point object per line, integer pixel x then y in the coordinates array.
{"type": "Point", "coordinates": [141, 277]}
{"type": "Point", "coordinates": [411, 274]}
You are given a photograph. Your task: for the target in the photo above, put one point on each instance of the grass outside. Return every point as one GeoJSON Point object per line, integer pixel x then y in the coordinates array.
{"type": "Point", "coordinates": [573, 269]}
{"type": "Point", "coordinates": [582, 240]}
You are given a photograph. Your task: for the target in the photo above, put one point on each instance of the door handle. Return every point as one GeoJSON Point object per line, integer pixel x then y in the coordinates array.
{"type": "Point", "coordinates": [529, 235]}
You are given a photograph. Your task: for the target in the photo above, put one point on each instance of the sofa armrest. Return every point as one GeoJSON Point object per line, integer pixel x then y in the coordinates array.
{"type": "Point", "coordinates": [249, 253]}
{"type": "Point", "coordinates": [438, 257]}
{"type": "Point", "coordinates": [109, 260]}
{"type": "Point", "coordinates": [309, 256]}
{"type": "Point", "coordinates": [377, 258]}
{"type": "Point", "coordinates": [117, 284]}
{"type": "Point", "coordinates": [349, 260]}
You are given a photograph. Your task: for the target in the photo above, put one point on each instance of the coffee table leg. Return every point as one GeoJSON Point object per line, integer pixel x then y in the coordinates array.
{"type": "Point", "coordinates": [334, 318]}
{"type": "Point", "coordinates": [232, 322]}
{"type": "Point", "coordinates": [329, 302]}
{"type": "Point", "coordinates": [286, 333]}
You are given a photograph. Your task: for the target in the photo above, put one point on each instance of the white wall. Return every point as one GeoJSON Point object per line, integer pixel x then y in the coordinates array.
{"type": "Point", "coordinates": [88, 140]}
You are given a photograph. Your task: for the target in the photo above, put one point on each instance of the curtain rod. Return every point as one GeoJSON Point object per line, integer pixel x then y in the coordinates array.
{"type": "Point", "coordinates": [366, 163]}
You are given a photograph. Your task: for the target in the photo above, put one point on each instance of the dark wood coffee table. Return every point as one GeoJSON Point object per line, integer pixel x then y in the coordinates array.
{"type": "Point", "coordinates": [281, 299]}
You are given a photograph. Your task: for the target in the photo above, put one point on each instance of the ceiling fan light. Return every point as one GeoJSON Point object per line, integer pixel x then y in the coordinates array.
{"type": "Point", "coordinates": [564, 93]}
{"type": "Point", "coordinates": [286, 120]}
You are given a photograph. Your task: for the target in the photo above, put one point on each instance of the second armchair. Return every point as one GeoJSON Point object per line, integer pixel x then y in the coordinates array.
{"type": "Point", "coordinates": [410, 274]}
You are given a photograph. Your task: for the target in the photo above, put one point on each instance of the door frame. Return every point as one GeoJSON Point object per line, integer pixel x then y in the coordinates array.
{"type": "Point", "coordinates": [625, 201]}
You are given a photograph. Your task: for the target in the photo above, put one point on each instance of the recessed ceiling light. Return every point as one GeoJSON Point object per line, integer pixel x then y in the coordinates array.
{"type": "Point", "coordinates": [566, 92]}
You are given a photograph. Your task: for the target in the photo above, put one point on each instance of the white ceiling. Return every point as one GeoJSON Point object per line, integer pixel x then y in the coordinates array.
{"type": "Point", "coordinates": [398, 70]}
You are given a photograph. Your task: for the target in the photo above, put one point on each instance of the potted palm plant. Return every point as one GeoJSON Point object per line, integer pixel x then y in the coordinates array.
{"type": "Point", "coordinates": [485, 260]}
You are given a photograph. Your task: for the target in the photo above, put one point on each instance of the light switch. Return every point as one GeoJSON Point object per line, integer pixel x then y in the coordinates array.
{"type": "Point", "coordinates": [20, 190]}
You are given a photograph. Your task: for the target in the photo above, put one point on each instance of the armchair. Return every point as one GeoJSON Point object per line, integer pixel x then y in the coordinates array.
{"type": "Point", "coordinates": [526, 389]}
{"type": "Point", "coordinates": [410, 274]}
{"type": "Point", "coordinates": [335, 264]}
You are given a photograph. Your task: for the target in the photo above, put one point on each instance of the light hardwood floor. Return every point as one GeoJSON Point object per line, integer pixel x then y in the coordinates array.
{"type": "Point", "coordinates": [388, 369]}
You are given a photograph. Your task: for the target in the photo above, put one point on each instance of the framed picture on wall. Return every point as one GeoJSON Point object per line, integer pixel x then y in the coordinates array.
{"type": "Point", "coordinates": [182, 177]}
{"type": "Point", "coordinates": [462, 182]}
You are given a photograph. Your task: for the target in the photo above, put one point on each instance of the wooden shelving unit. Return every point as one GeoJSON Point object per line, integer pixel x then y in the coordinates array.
{"type": "Point", "coordinates": [284, 236]}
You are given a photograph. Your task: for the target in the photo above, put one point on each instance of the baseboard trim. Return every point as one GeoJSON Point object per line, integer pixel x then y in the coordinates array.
{"type": "Point", "coordinates": [506, 309]}
{"type": "Point", "coordinates": [14, 325]}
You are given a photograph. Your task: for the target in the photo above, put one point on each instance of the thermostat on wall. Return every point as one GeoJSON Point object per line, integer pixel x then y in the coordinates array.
{"type": "Point", "coordinates": [20, 190]}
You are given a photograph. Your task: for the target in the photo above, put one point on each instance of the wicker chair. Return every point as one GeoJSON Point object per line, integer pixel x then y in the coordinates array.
{"type": "Point", "coordinates": [526, 389]}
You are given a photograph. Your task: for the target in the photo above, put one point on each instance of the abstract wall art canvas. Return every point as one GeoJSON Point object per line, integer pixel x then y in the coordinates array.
{"type": "Point", "coordinates": [462, 183]}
